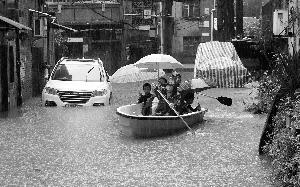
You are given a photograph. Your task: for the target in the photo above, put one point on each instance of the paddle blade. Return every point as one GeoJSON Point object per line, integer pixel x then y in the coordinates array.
{"type": "Point", "coordinates": [225, 100]}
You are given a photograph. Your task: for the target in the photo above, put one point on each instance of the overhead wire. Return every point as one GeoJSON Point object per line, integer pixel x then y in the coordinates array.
{"type": "Point", "coordinates": [108, 18]}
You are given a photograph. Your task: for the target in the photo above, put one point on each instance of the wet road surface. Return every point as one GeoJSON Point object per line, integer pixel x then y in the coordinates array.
{"type": "Point", "coordinates": [83, 147]}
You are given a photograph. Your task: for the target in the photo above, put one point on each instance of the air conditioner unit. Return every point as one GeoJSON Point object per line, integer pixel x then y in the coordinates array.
{"type": "Point", "coordinates": [39, 27]}
{"type": "Point", "coordinates": [280, 22]}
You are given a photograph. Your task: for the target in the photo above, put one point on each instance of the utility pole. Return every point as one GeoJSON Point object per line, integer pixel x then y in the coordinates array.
{"type": "Point", "coordinates": [167, 26]}
{"type": "Point", "coordinates": [161, 10]}
{"type": "Point", "coordinates": [212, 21]}
{"type": "Point", "coordinates": [296, 39]}
{"type": "Point", "coordinates": [220, 18]}
{"type": "Point", "coordinates": [239, 18]}
{"type": "Point", "coordinates": [18, 59]}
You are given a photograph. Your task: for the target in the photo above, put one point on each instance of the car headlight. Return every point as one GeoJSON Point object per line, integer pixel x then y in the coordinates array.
{"type": "Point", "coordinates": [50, 90]}
{"type": "Point", "coordinates": [99, 92]}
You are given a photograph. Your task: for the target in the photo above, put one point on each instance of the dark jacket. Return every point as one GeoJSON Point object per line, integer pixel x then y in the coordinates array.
{"type": "Point", "coordinates": [146, 99]}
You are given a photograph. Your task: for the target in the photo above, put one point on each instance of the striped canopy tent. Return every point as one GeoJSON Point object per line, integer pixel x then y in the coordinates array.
{"type": "Point", "coordinates": [220, 63]}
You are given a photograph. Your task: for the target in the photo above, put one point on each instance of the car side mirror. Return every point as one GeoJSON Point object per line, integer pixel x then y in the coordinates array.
{"type": "Point", "coordinates": [46, 74]}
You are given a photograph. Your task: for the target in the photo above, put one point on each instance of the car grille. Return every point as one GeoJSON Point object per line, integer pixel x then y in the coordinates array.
{"type": "Point", "coordinates": [74, 97]}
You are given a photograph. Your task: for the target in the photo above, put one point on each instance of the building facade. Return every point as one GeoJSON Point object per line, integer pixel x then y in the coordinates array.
{"type": "Point", "coordinates": [100, 30]}
{"type": "Point", "coordinates": [23, 56]}
{"type": "Point", "coordinates": [141, 25]}
{"type": "Point", "coordinates": [192, 25]}
{"type": "Point", "coordinates": [280, 24]}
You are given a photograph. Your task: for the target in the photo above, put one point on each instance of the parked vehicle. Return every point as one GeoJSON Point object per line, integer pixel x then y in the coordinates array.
{"type": "Point", "coordinates": [77, 82]}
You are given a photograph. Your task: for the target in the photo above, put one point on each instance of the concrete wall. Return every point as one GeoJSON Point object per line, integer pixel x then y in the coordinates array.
{"type": "Point", "coordinates": [25, 49]}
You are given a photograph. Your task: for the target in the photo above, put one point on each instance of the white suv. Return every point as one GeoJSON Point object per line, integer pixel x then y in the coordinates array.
{"type": "Point", "coordinates": [77, 82]}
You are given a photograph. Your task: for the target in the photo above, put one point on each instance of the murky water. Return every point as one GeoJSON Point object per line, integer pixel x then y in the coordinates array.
{"type": "Point", "coordinates": [83, 147]}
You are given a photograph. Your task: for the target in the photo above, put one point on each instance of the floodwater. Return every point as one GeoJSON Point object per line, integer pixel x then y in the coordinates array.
{"type": "Point", "coordinates": [83, 147]}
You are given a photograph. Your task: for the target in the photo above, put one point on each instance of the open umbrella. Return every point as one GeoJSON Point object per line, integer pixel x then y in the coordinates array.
{"type": "Point", "coordinates": [158, 61]}
{"type": "Point", "coordinates": [199, 85]}
{"type": "Point", "coordinates": [131, 73]}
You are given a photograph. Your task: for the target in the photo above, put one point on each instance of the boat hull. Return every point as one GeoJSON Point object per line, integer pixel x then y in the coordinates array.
{"type": "Point", "coordinates": [134, 124]}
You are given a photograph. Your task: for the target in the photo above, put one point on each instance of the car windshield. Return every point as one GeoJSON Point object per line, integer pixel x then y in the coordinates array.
{"type": "Point", "coordinates": [78, 72]}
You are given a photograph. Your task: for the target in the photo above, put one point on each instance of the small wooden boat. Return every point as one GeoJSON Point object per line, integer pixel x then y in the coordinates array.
{"type": "Point", "coordinates": [133, 123]}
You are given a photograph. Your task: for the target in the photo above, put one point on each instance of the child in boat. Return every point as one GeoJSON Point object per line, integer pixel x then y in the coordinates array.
{"type": "Point", "coordinates": [146, 100]}
{"type": "Point", "coordinates": [161, 108]}
{"type": "Point", "coordinates": [177, 78]}
{"type": "Point", "coordinates": [187, 99]}
{"type": "Point", "coordinates": [172, 97]}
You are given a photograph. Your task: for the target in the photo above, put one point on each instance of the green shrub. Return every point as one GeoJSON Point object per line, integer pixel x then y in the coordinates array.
{"type": "Point", "coordinates": [285, 147]}
{"type": "Point", "coordinates": [266, 91]}
{"type": "Point", "coordinates": [284, 73]}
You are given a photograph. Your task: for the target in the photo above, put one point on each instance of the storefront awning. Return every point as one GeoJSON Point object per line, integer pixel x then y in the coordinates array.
{"type": "Point", "coordinates": [14, 23]}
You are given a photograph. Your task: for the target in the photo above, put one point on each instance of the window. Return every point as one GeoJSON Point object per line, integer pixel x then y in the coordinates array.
{"type": "Point", "coordinates": [78, 72]}
{"type": "Point", "coordinates": [185, 11]}
{"type": "Point", "coordinates": [11, 3]}
{"type": "Point", "coordinates": [191, 10]}
{"type": "Point", "coordinates": [37, 27]}
{"type": "Point", "coordinates": [196, 11]}
{"type": "Point", "coordinates": [190, 44]}
{"type": "Point", "coordinates": [280, 18]}
{"type": "Point", "coordinates": [139, 7]}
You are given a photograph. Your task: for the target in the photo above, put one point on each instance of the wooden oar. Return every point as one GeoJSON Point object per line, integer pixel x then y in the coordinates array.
{"type": "Point", "coordinates": [176, 112]}
{"type": "Point", "coordinates": [223, 100]}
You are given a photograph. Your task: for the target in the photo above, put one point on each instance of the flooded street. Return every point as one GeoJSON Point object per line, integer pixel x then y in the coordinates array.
{"type": "Point", "coordinates": [83, 147]}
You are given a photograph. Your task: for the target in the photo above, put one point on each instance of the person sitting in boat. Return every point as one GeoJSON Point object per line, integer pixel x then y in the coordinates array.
{"type": "Point", "coordinates": [177, 77]}
{"type": "Point", "coordinates": [185, 104]}
{"type": "Point", "coordinates": [172, 97]}
{"type": "Point", "coordinates": [161, 105]}
{"type": "Point", "coordinates": [146, 100]}
{"type": "Point", "coordinates": [177, 81]}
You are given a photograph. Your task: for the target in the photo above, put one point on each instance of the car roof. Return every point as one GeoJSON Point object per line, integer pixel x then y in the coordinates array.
{"type": "Point", "coordinates": [80, 61]}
